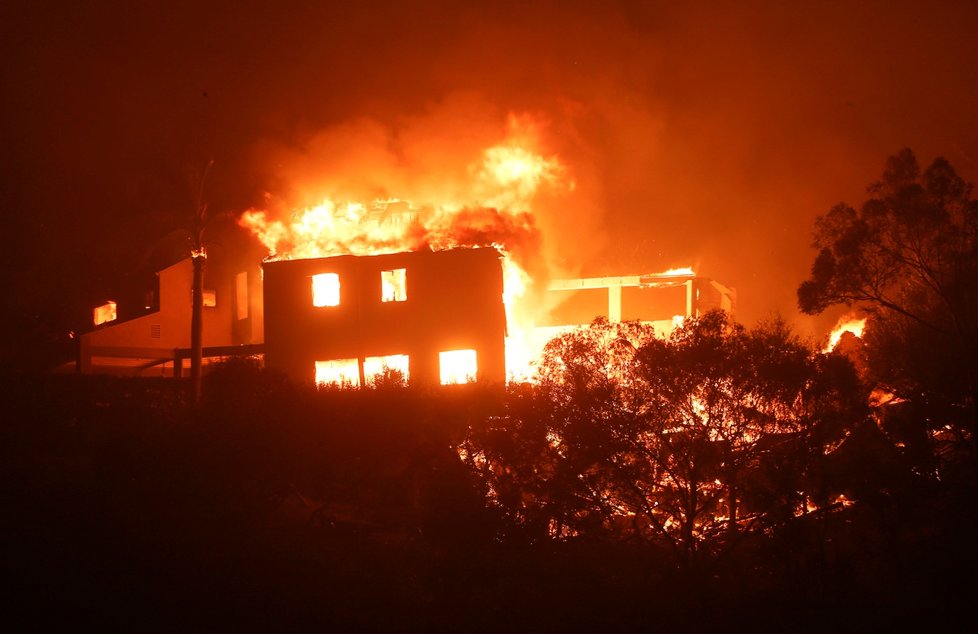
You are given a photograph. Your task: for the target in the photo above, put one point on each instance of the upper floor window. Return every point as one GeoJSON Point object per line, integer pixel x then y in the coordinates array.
{"type": "Point", "coordinates": [393, 285]}
{"type": "Point", "coordinates": [326, 289]}
{"type": "Point", "coordinates": [105, 313]}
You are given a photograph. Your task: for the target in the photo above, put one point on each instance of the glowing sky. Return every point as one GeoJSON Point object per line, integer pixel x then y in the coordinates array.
{"type": "Point", "coordinates": [699, 136]}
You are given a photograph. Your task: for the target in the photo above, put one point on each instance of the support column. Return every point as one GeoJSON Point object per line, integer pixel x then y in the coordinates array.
{"type": "Point", "coordinates": [614, 303]}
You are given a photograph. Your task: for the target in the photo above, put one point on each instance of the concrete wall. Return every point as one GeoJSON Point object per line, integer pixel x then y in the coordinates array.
{"type": "Point", "coordinates": [454, 301]}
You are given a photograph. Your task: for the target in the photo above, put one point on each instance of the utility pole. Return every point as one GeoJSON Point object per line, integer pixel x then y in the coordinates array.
{"type": "Point", "coordinates": [198, 256]}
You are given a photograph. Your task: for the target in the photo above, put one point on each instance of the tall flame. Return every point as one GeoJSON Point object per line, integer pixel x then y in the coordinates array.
{"type": "Point", "coordinates": [496, 211]}
{"type": "Point", "coordinates": [847, 323]}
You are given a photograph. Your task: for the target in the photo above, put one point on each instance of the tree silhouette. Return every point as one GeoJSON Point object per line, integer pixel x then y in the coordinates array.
{"type": "Point", "coordinates": [727, 406]}
{"type": "Point", "coordinates": [909, 258]}
{"type": "Point", "coordinates": [688, 442]}
{"type": "Point", "coordinates": [550, 461]}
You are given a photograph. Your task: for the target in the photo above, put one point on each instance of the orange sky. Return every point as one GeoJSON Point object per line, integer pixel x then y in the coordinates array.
{"type": "Point", "coordinates": [704, 136]}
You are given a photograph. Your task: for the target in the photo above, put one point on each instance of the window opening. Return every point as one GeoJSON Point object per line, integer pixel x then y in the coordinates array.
{"type": "Point", "coordinates": [393, 285]}
{"type": "Point", "coordinates": [343, 372]}
{"type": "Point", "coordinates": [326, 289]}
{"type": "Point", "coordinates": [457, 366]}
{"type": "Point", "coordinates": [389, 366]}
{"type": "Point", "coordinates": [105, 313]}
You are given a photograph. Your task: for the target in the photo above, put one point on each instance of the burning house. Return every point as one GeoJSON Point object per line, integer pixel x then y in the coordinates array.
{"type": "Point", "coordinates": [442, 289]}
{"type": "Point", "coordinates": [432, 316]}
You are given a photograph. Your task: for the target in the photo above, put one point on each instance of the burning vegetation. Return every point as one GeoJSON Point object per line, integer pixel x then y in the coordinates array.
{"type": "Point", "coordinates": [846, 324]}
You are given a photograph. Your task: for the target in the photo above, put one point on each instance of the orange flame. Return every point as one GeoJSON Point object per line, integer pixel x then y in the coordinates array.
{"type": "Point", "coordinates": [686, 271]}
{"type": "Point", "coordinates": [496, 211]}
{"type": "Point", "coordinates": [847, 323]}
{"type": "Point", "coordinates": [500, 215]}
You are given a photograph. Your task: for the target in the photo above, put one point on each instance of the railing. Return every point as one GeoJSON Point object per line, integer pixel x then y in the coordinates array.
{"type": "Point", "coordinates": [159, 356]}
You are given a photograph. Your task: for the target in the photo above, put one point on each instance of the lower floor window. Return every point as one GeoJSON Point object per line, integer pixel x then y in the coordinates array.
{"type": "Point", "coordinates": [338, 372]}
{"type": "Point", "coordinates": [346, 372]}
{"type": "Point", "coordinates": [392, 367]}
{"type": "Point", "coordinates": [457, 366]}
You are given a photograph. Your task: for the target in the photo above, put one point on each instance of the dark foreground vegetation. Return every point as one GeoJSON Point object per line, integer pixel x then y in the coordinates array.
{"type": "Point", "coordinates": [725, 479]}
{"type": "Point", "coordinates": [271, 506]}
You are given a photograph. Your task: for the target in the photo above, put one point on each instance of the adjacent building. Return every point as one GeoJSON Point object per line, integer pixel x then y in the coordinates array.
{"type": "Point", "coordinates": [661, 299]}
{"type": "Point", "coordinates": [157, 342]}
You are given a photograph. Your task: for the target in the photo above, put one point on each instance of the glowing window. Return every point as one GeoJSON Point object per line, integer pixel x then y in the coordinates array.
{"type": "Point", "coordinates": [105, 313]}
{"type": "Point", "coordinates": [393, 285]}
{"type": "Point", "coordinates": [210, 298]}
{"type": "Point", "coordinates": [338, 372]}
{"type": "Point", "coordinates": [326, 289]}
{"type": "Point", "coordinates": [241, 294]}
{"type": "Point", "coordinates": [379, 367]}
{"type": "Point", "coordinates": [457, 366]}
